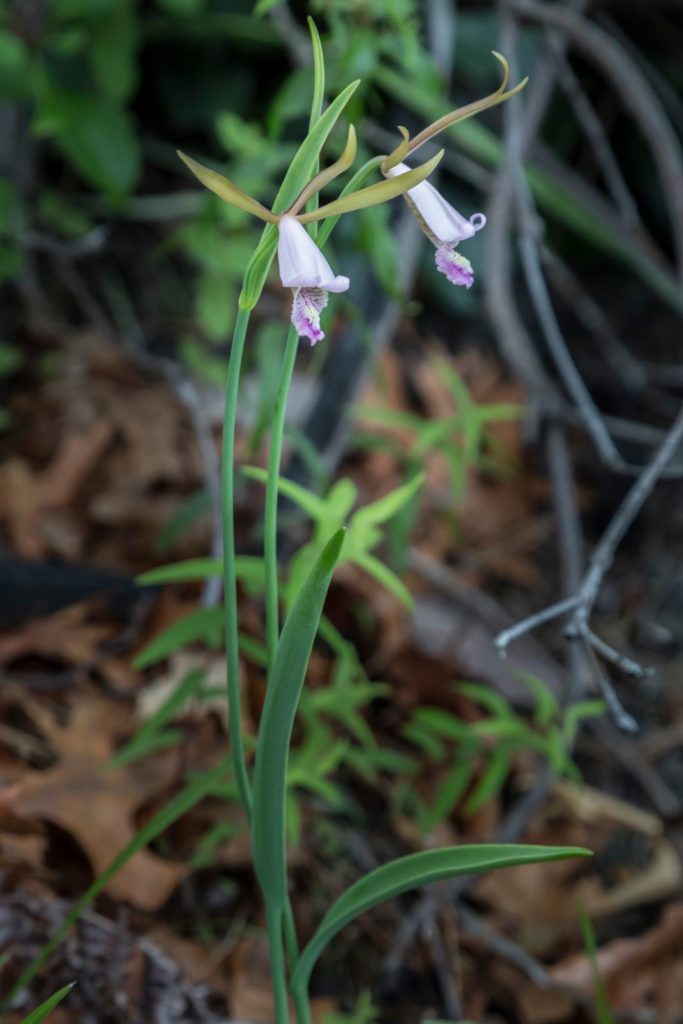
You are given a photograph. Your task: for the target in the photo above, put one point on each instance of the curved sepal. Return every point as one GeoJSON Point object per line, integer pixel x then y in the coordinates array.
{"type": "Point", "coordinates": [380, 192]}
{"type": "Point", "coordinates": [324, 178]}
{"type": "Point", "coordinates": [462, 113]}
{"type": "Point", "coordinates": [226, 191]}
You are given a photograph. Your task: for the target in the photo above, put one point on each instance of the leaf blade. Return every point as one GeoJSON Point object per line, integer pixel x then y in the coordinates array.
{"type": "Point", "coordinates": [277, 720]}
{"type": "Point", "coordinates": [411, 872]}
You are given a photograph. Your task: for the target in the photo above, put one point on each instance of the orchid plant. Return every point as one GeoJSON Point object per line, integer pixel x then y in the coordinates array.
{"type": "Point", "coordinates": [304, 269]}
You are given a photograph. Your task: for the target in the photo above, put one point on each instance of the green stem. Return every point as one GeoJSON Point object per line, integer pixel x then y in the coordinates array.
{"type": "Point", "coordinates": [229, 574]}
{"type": "Point", "coordinates": [303, 1009]}
{"type": "Point", "coordinates": [270, 523]}
{"type": "Point", "coordinates": [271, 572]}
{"type": "Point", "coordinates": [277, 965]}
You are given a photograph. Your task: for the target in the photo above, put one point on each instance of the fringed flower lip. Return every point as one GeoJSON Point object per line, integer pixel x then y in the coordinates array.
{"type": "Point", "coordinates": [440, 221]}
{"type": "Point", "coordinates": [303, 268]}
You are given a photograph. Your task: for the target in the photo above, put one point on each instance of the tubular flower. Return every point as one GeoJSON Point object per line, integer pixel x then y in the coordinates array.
{"type": "Point", "coordinates": [304, 269]}
{"type": "Point", "coordinates": [444, 226]}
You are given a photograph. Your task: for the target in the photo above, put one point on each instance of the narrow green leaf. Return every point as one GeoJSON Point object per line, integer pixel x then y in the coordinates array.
{"type": "Point", "coordinates": [545, 702]}
{"type": "Point", "coordinates": [384, 508]}
{"type": "Point", "coordinates": [148, 736]}
{"type": "Point", "coordinates": [448, 795]}
{"type": "Point", "coordinates": [41, 1012]}
{"type": "Point", "coordinates": [603, 1011]}
{"type": "Point", "coordinates": [494, 702]}
{"type": "Point", "coordinates": [386, 576]}
{"type": "Point", "coordinates": [310, 503]}
{"type": "Point", "coordinates": [277, 720]}
{"type": "Point", "coordinates": [318, 73]}
{"type": "Point", "coordinates": [493, 779]}
{"type": "Point", "coordinates": [412, 872]}
{"type": "Point", "coordinates": [181, 572]}
{"type": "Point", "coordinates": [303, 164]}
{"type": "Point", "coordinates": [204, 624]}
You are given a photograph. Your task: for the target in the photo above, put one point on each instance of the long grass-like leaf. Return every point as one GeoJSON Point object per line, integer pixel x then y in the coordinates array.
{"type": "Point", "coordinates": [411, 872]}
{"type": "Point", "coordinates": [41, 1012]}
{"type": "Point", "coordinates": [603, 1011]}
{"type": "Point", "coordinates": [272, 751]}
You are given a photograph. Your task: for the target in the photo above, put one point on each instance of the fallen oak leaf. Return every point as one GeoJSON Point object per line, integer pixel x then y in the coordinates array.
{"type": "Point", "coordinates": [96, 805]}
{"type": "Point", "coordinates": [28, 495]}
{"type": "Point", "coordinates": [642, 972]}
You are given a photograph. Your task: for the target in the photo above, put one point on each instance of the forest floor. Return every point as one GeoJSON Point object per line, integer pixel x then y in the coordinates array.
{"type": "Point", "coordinates": [100, 469]}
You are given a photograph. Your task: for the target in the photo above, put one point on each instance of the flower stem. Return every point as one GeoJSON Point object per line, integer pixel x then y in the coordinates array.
{"type": "Point", "coordinates": [301, 1002]}
{"type": "Point", "coordinates": [270, 523]}
{"type": "Point", "coordinates": [272, 589]}
{"type": "Point", "coordinates": [277, 964]}
{"type": "Point", "coordinates": [229, 574]}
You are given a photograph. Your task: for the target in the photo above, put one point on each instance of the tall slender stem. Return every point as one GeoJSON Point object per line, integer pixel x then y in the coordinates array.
{"type": "Point", "coordinates": [301, 1005]}
{"type": "Point", "coordinates": [270, 523]}
{"type": "Point", "coordinates": [277, 964]}
{"type": "Point", "coordinates": [271, 571]}
{"type": "Point", "coordinates": [229, 574]}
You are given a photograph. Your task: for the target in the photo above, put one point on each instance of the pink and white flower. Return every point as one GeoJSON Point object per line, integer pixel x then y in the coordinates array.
{"type": "Point", "coordinates": [304, 269]}
{"type": "Point", "coordinates": [444, 227]}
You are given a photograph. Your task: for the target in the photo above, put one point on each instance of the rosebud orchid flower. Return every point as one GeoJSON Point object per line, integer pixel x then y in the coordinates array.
{"type": "Point", "coordinates": [303, 268]}
{"type": "Point", "coordinates": [440, 221]}
{"type": "Point", "coordinates": [444, 226]}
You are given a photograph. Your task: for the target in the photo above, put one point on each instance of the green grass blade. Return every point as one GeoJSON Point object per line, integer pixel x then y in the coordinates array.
{"type": "Point", "coordinates": [41, 1012]}
{"type": "Point", "coordinates": [386, 507]}
{"type": "Point", "coordinates": [411, 872]}
{"type": "Point", "coordinates": [308, 502]}
{"type": "Point", "coordinates": [282, 698]}
{"type": "Point", "coordinates": [602, 1007]}
{"type": "Point", "coordinates": [181, 572]}
{"type": "Point", "coordinates": [205, 624]}
{"type": "Point", "coordinates": [184, 801]}
{"type": "Point", "coordinates": [318, 74]}
{"type": "Point", "coordinates": [149, 736]}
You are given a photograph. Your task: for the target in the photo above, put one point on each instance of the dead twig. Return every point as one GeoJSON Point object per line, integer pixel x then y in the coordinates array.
{"type": "Point", "coordinates": [635, 92]}
{"type": "Point", "coordinates": [582, 602]}
{"type": "Point", "coordinates": [594, 132]}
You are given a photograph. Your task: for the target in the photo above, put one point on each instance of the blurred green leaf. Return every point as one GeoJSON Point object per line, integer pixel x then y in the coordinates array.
{"type": "Point", "coordinates": [97, 139]}
{"type": "Point", "coordinates": [10, 359]}
{"type": "Point", "coordinates": [204, 624]}
{"type": "Point", "coordinates": [215, 305]}
{"type": "Point", "coordinates": [112, 51]}
{"type": "Point", "coordinates": [15, 67]}
{"type": "Point", "coordinates": [59, 215]}
{"type": "Point", "coordinates": [151, 735]}
{"type": "Point", "coordinates": [181, 6]}
{"type": "Point", "coordinates": [11, 260]}
{"type": "Point", "coordinates": [64, 10]}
